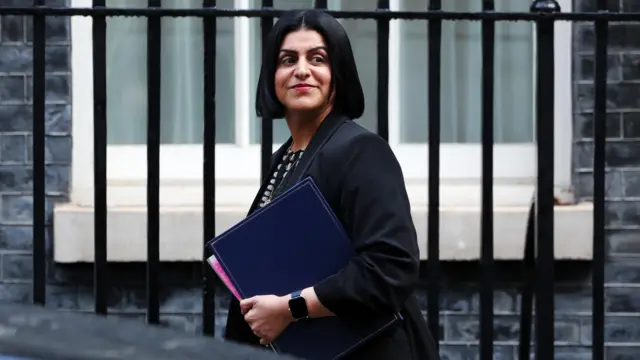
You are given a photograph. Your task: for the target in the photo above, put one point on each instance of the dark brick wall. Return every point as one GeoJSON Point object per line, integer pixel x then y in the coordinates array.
{"type": "Point", "coordinates": [70, 287]}
{"type": "Point", "coordinates": [622, 160]}
{"type": "Point", "coordinates": [15, 141]}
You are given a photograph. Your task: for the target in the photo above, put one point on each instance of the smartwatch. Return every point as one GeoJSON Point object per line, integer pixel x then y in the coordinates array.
{"type": "Point", "coordinates": [298, 306]}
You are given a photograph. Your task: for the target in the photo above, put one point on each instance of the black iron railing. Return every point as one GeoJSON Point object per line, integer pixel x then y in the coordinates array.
{"type": "Point", "coordinates": [539, 253]}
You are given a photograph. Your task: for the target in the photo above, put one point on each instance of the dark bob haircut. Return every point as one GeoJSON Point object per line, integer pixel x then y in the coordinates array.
{"type": "Point", "coordinates": [349, 97]}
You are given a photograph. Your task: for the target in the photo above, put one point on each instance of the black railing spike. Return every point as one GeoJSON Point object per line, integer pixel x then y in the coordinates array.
{"type": "Point", "coordinates": [545, 6]}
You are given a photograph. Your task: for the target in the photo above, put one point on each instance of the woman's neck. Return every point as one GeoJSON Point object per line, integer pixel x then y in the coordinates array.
{"type": "Point", "coordinates": [303, 126]}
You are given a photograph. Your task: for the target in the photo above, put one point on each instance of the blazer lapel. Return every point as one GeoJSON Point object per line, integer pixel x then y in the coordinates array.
{"type": "Point", "coordinates": [328, 127]}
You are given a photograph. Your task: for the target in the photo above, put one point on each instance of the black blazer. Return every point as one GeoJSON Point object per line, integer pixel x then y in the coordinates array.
{"type": "Point", "coordinates": [362, 181]}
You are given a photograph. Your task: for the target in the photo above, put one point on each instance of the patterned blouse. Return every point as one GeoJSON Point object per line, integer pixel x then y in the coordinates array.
{"type": "Point", "coordinates": [288, 162]}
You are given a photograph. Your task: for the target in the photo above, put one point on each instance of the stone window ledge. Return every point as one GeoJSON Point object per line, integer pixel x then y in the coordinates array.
{"type": "Point", "coordinates": [181, 236]}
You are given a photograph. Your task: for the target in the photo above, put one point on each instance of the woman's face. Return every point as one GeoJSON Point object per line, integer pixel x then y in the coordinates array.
{"type": "Point", "coordinates": [303, 75]}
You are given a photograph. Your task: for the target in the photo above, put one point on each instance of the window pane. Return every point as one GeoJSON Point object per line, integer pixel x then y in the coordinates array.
{"type": "Point", "coordinates": [461, 76]}
{"type": "Point", "coordinates": [182, 76]}
{"type": "Point", "coordinates": [293, 4]}
{"type": "Point", "coordinates": [363, 35]}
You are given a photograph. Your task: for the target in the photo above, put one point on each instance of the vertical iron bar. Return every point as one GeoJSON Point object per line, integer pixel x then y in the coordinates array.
{"type": "Point", "coordinates": [266, 145]}
{"type": "Point", "coordinates": [321, 4]}
{"type": "Point", "coordinates": [39, 187]}
{"type": "Point", "coordinates": [599, 137]}
{"type": "Point", "coordinates": [100, 157]}
{"type": "Point", "coordinates": [486, 223]}
{"type": "Point", "coordinates": [154, 76]}
{"type": "Point", "coordinates": [209, 165]}
{"type": "Point", "coordinates": [383, 71]}
{"type": "Point", "coordinates": [545, 197]}
{"type": "Point", "coordinates": [433, 220]}
{"type": "Point", "coordinates": [528, 276]}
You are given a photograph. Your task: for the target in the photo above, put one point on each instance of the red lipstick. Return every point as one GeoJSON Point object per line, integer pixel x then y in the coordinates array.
{"type": "Point", "coordinates": [302, 87]}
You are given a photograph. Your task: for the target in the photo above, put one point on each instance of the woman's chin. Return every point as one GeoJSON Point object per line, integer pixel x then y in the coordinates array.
{"type": "Point", "coordinates": [304, 107]}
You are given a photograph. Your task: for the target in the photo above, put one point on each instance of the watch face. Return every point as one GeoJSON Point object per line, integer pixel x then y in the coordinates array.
{"type": "Point", "coordinates": [298, 307]}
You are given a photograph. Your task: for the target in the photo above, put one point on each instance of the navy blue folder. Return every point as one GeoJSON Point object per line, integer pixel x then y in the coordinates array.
{"type": "Point", "coordinates": [292, 243]}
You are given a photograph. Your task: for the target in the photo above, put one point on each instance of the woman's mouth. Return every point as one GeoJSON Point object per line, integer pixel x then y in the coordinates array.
{"type": "Point", "coordinates": [302, 87]}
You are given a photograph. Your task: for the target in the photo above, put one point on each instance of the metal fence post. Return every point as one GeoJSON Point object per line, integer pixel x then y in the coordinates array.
{"type": "Point", "coordinates": [154, 85]}
{"type": "Point", "coordinates": [599, 140]}
{"type": "Point", "coordinates": [544, 224]}
{"type": "Point", "coordinates": [383, 71]}
{"type": "Point", "coordinates": [486, 222]}
{"type": "Point", "coordinates": [100, 157]}
{"type": "Point", "coordinates": [209, 166]}
{"type": "Point", "coordinates": [266, 144]}
{"type": "Point", "coordinates": [433, 215]}
{"type": "Point", "coordinates": [39, 172]}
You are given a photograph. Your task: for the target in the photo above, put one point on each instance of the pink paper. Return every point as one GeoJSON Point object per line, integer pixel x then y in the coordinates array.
{"type": "Point", "coordinates": [213, 261]}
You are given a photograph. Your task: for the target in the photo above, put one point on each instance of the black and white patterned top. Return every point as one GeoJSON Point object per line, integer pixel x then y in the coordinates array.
{"type": "Point", "coordinates": [288, 162]}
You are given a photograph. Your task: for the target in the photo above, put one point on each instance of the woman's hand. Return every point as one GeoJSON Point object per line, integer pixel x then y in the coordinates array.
{"type": "Point", "coordinates": [267, 315]}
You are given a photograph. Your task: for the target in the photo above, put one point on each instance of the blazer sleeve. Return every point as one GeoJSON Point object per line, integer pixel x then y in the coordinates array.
{"type": "Point", "coordinates": [375, 210]}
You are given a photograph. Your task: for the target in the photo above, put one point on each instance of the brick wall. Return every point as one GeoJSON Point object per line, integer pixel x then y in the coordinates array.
{"type": "Point", "coordinates": [623, 180]}
{"type": "Point", "coordinates": [70, 287]}
{"type": "Point", "coordinates": [15, 141]}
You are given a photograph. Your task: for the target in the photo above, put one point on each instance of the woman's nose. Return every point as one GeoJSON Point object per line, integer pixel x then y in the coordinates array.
{"type": "Point", "coordinates": [302, 69]}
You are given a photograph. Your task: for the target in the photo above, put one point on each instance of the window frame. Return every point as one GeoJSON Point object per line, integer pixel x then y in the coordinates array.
{"type": "Point", "coordinates": [238, 165]}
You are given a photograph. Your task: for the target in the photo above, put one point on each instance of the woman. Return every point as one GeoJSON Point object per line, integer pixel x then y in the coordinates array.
{"type": "Point", "coordinates": [309, 77]}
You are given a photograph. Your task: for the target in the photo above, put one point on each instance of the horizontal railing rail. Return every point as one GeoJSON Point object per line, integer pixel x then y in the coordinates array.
{"type": "Point", "coordinates": [343, 14]}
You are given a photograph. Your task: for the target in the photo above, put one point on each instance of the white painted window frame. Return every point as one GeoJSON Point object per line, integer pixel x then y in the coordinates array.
{"type": "Point", "coordinates": [238, 165]}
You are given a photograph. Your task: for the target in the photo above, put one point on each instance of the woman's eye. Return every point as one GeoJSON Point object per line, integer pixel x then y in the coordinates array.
{"type": "Point", "coordinates": [287, 60]}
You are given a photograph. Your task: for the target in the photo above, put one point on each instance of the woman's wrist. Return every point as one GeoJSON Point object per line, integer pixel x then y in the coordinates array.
{"type": "Point", "coordinates": [314, 306]}
{"type": "Point", "coordinates": [284, 308]}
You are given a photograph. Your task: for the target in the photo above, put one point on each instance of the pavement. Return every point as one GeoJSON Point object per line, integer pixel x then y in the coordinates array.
{"type": "Point", "coordinates": [33, 332]}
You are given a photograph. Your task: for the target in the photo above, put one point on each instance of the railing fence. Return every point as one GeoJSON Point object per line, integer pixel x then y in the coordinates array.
{"type": "Point", "coordinates": [539, 255]}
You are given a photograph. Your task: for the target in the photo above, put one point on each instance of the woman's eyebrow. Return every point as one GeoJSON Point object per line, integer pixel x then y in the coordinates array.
{"type": "Point", "coordinates": [312, 49]}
